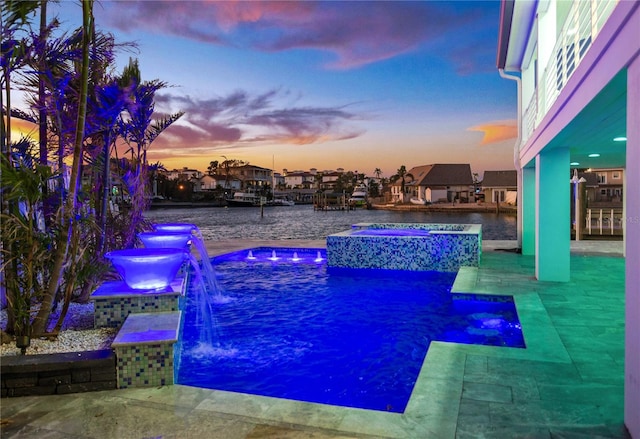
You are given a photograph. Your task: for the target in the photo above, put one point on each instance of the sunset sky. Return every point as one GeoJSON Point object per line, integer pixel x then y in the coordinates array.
{"type": "Point", "coordinates": [299, 85]}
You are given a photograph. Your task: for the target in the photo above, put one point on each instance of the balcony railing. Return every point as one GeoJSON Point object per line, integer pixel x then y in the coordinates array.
{"type": "Point", "coordinates": [604, 222]}
{"type": "Point", "coordinates": [584, 22]}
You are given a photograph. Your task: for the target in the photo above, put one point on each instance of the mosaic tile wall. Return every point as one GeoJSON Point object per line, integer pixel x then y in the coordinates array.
{"type": "Point", "coordinates": [415, 226]}
{"type": "Point", "coordinates": [110, 312]}
{"type": "Point", "coordinates": [145, 365]}
{"type": "Point", "coordinates": [439, 251]}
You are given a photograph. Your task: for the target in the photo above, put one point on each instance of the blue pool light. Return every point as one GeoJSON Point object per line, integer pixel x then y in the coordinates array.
{"type": "Point", "coordinates": [147, 268]}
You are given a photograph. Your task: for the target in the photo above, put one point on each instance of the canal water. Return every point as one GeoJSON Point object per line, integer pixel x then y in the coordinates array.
{"type": "Point", "coordinates": [303, 222]}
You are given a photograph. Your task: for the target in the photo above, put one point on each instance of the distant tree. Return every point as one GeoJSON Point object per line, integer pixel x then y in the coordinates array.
{"type": "Point", "coordinates": [227, 164]}
{"type": "Point", "coordinates": [213, 167]}
{"type": "Point", "coordinates": [377, 172]}
{"type": "Point", "coordinates": [373, 188]}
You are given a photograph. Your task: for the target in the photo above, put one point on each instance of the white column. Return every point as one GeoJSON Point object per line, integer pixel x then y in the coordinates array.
{"type": "Point", "coordinates": [553, 215]}
{"type": "Point", "coordinates": [528, 211]}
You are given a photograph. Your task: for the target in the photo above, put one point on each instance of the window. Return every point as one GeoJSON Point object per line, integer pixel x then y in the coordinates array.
{"type": "Point", "coordinates": [602, 178]}
{"type": "Point", "coordinates": [616, 176]}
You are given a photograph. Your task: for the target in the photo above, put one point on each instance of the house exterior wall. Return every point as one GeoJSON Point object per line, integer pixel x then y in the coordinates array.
{"type": "Point", "coordinates": [293, 180]}
{"type": "Point", "coordinates": [614, 38]}
{"type": "Point", "coordinates": [632, 253]}
{"type": "Point", "coordinates": [208, 183]}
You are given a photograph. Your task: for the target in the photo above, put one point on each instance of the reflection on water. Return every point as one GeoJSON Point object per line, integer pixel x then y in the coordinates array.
{"type": "Point", "coordinates": [302, 222]}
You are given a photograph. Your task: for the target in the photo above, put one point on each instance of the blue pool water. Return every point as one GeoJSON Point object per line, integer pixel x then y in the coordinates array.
{"type": "Point", "coordinates": [349, 337]}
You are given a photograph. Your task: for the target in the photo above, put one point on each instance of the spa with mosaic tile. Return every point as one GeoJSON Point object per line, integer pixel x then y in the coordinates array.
{"type": "Point", "coordinates": [406, 246]}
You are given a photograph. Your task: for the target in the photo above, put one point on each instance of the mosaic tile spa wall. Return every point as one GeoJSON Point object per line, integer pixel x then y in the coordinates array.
{"type": "Point", "coordinates": [405, 246]}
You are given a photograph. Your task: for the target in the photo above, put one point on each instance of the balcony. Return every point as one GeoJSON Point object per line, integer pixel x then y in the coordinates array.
{"type": "Point", "coordinates": [583, 23]}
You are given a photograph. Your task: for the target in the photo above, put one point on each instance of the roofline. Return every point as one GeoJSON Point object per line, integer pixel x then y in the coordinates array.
{"type": "Point", "coordinates": [506, 18]}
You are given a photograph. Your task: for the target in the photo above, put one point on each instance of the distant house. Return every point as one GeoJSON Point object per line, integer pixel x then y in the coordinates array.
{"type": "Point", "coordinates": [184, 174]}
{"type": "Point", "coordinates": [609, 185]}
{"type": "Point", "coordinates": [211, 182]}
{"type": "Point", "coordinates": [436, 183]}
{"type": "Point", "coordinates": [500, 186]}
{"type": "Point", "coordinates": [330, 179]}
{"type": "Point", "coordinates": [299, 180]}
{"type": "Point", "coordinates": [251, 176]}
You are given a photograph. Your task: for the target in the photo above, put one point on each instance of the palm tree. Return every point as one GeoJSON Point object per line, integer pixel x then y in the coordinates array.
{"type": "Point", "coordinates": [377, 172]}
{"type": "Point", "coordinates": [402, 175]}
{"type": "Point", "coordinates": [62, 244]}
{"type": "Point", "coordinates": [213, 167]}
{"type": "Point", "coordinates": [13, 17]}
{"type": "Point", "coordinates": [139, 131]}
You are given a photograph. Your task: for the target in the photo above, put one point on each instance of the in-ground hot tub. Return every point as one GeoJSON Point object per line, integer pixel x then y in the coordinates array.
{"type": "Point", "coordinates": [406, 246]}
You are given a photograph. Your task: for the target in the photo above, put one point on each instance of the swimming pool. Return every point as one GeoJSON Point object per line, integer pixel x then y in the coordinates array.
{"type": "Point", "coordinates": [295, 329]}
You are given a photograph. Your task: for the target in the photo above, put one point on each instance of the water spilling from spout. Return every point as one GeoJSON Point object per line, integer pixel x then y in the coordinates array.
{"type": "Point", "coordinates": [295, 257]}
{"type": "Point", "coordinates": [273, 256]}
{"type": "Point", "coordinates": [205, 317]}
{"type": "Point", "coordinates": [207, 292]}
{"type": "Point", "coordinates": [250, 255]}
{"type": "Point", "coordinates": [319, 257]}
{"type": "Point", "coordinates": [208, 275]}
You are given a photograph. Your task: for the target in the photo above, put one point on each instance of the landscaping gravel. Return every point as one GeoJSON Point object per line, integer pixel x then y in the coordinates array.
{"type": "Point", "coordinates": [77, 334]}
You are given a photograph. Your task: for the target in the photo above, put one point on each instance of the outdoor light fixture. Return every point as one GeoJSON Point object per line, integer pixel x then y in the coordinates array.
{"type": "Point", "coordinates": [594, 155]}
{"type": "Point", "coordinates": [574, 163]}
{"type": "Point", "coordinates": [620, 139]}
{"type": "Point", "coordinates": [575, 179]}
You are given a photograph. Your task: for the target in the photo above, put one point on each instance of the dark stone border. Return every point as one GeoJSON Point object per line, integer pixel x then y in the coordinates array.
{"type": "Point", "coordinates": [50, 374]}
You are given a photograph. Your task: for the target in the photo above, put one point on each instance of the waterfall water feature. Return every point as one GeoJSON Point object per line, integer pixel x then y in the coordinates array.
{"type": "Point", "coordinates": [205, 291]}
{"type": "Point", "coordinates": [273, 256]}
{"type": "Point", "coordinates": [208, 275]}
{"type": "Point", "coordinates": [205, 318]}
{"type": "Point", "coordinates": [250, 255]}
{"type": "Point", "coordinates": [319, 257]}
{"type": "Point", "coordinates": [295, 257]}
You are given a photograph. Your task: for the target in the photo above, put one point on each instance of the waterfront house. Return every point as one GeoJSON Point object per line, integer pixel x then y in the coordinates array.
{"type": "Point", "coordinates": [500, 187]}
{"type": "Point", "coordinates": [330, 179]}
{"type": "Point", "coordinates": [576, 66]}
{"type": "Point", "coordinates": [252, 177]}
{"type": "Point", "coordinates": [299, 180]}
{"type": "Point", "coordinates": [184, 174]}
{"type": "Point", "coordinates": [211, 182]}
{"type": "Point", "coordinates": [437, 183]}
{"type": "Point", "coordinates": [610, 185]}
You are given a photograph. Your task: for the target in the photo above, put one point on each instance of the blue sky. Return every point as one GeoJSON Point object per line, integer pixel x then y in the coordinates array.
{"type": "Point", "coordinates": [326, 85]}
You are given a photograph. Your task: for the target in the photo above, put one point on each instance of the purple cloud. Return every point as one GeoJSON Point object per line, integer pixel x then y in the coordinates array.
{"type": "Point", "coordinates": [357, 33]}
{"type": "Point", "coordinates": [244, 119]}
